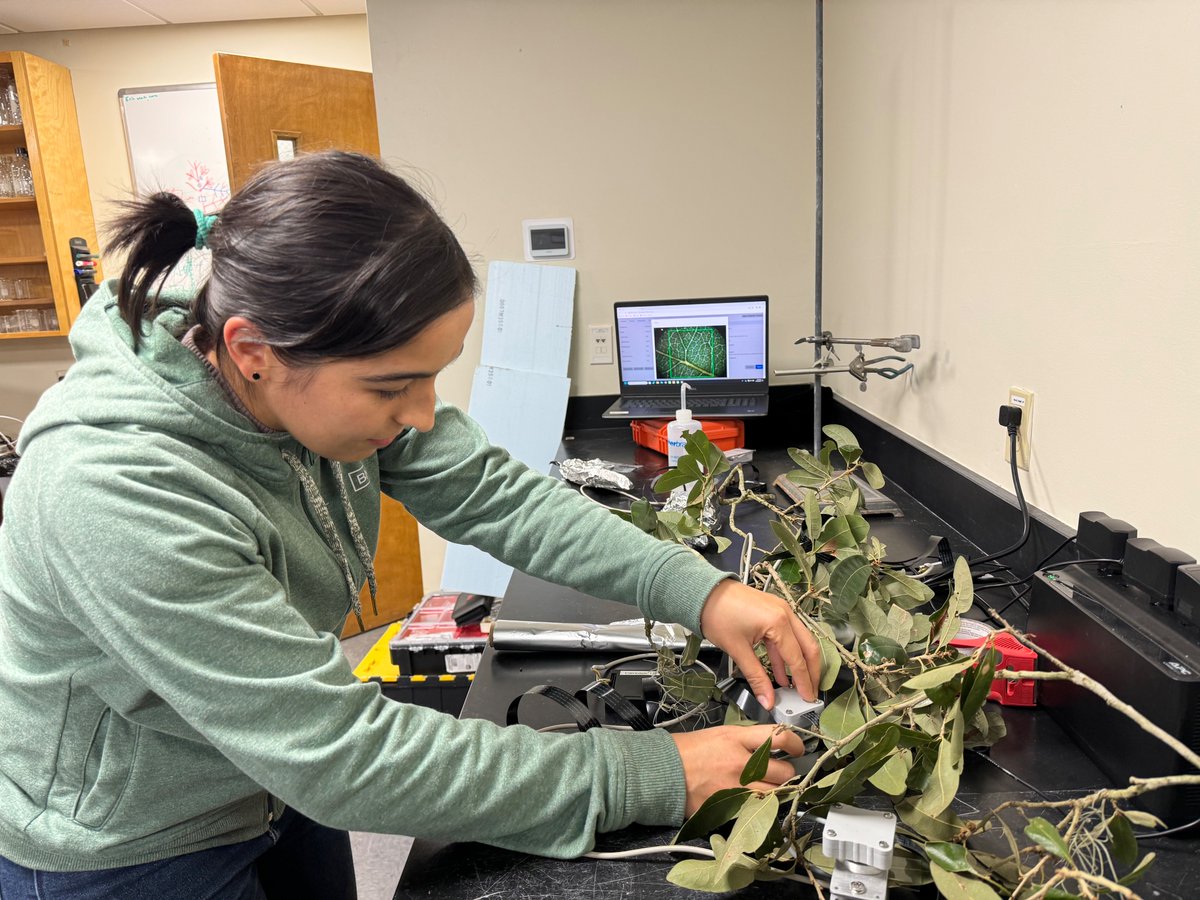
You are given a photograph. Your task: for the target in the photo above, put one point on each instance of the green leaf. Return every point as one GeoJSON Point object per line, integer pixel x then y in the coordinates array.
{"type": "Point", "coordinates": [751, 828]}
{"type": "Point", "coordinates": [810, 463]}
{"type": "Point", "coordinates": [643, 516]}
{"type": "Point", "coordinates": [805, 479]}
{"type": "Point", "coordinates": [875, 649]}
{"type": "Point", "coordinates": [785, 536]}
{"type": "Point", "coordinates": [1047, 837]}
{"type": "Point", "coordinates": [892, 776]}
{"type": "Point", "coordinates": [905, 586]}
{"type": "Point", "coordinates": [865, 617]}
{"type": "Point", "coordinates": [812, 513]}
{"type": "Point", "coordinates": [847, 443]}
{"type": "Point", "coordinates": [872, 475]}
{"type": "Point", "coordinates": [1137, 873]}
{"type": "Point", "coordinates": [789, 570]}
{"type": "Point", "coordinates": [689, 687]}
{"type": "Point", "coordinates": [831, 662]}
{"type": "Point", "coordinates": [956, 886]}
{"type": "Point", "coordinates": [943, 784]}
{"type": "Point", "coordinates": [756, 767]}
{"type": "Point", "coordinates": [842, 436]}
{"type": "Point", "coordinates": [877, 745]}
{"type": "Point", "coordinates": [849, 576]}
{"type": "Point", "coordinates": [908, 869]}
{"type": "Point", "coordinates": [976, 691]}
{"type": "Point", "coordinates": [951, 857]}
{"type": "Point", "coordinates": [848, 504]}
{"type": "Point", "coordinates": [827, 448]}
{"type": "Point", "coordinates": [964, 586]}
{"type": "Point", "coordinates": [670, 480]}
{"type": "Point", "coordinates": [691, 650]}
{"type": "Point", "coordinates": [1059, 894]}
{"type": "Point", "coordinates": [1143, 819]}
{"type": "Point", "coordinates": [1124, 844]}
{"type": "Point", "coordinates": [719, 808]}
{"type": "Point", "coordinates": [841, 717]}
{"type": "Point", "coordinates": [836, 533]}
{"type": "Point", "coordinates": [940, 675]}
{"type": "Point", "coordinates": [701, 875]}
{"type": "Point", "coordinates": [944, 826]}
{"type": "Point", "coordinates": [721, 542]}
{"type": "Point", "coordinates": [899, 625]}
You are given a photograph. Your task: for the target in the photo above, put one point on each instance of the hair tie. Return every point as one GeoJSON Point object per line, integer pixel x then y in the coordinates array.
{"type": "Point", "coordinates": [204, 225]}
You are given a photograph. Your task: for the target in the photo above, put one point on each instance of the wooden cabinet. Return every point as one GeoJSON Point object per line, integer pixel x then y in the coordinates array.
{"type": "Point", "coordinates": [34, 231]}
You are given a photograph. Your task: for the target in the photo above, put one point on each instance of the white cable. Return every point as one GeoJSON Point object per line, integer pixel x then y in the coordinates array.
{"type": "Point", "coordinates": [673, 848]}
{"type": "Point", "coordinates": [14, 419]}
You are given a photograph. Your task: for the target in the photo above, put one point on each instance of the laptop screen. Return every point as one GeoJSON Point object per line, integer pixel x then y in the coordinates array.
{"type": "Point", "coordinates": [715, 345]}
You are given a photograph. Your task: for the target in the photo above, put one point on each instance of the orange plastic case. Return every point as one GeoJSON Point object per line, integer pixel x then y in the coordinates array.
{"type": "Point", "coordinates": [727, 434]}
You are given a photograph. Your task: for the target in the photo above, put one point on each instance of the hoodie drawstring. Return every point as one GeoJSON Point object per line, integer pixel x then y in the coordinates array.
{"type": "Point", "coordinates": [321, 511]}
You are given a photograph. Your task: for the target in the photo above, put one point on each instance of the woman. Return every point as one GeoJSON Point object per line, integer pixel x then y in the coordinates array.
{"type": "Point", "coordinates": [194, 514]}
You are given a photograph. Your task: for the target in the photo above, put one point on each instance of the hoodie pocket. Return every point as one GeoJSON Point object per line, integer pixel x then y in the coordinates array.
{"type": "Point", "coordinates": [106, 769]}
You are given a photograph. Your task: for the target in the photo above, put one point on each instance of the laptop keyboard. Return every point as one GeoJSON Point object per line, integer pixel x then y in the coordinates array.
{"type": "Point", "coordinates": [693, 402]}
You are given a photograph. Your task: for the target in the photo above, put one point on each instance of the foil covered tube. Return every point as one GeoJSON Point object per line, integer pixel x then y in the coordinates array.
{"type": "Point", "coordinates": [593, 473]}
{"type": "Point", "coordinates": [677, 501]}
{"type": "Point", "coordinates": [628, 634]}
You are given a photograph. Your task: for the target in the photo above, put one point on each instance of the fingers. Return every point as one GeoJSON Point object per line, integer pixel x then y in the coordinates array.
{"type": "Point", "coordinates": [806, 674]}
{"type": "Point", "coordinates": [752, 736]}
{"type": "Point", "coordinates": [756, 676]}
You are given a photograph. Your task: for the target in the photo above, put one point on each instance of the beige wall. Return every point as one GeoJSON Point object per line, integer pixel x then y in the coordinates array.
{"type": "Point", "coordinates": [1019, 182]}
{"type": "Point", "coordinates": [104, 60]}
{"type": "Point", "coordinates": [677, 134]}
{"type": "Point", "coordinates": [1016, 181]}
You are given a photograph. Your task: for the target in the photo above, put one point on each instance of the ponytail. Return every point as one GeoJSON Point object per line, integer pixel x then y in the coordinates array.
{"type": "Point", "coordinates": [329, 255]}
{"type": "Point", "coordinates": [156, 231]}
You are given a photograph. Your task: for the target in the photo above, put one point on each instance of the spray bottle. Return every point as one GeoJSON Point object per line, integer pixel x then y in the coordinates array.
{"type": "Point", "coordinates": [679, 427]}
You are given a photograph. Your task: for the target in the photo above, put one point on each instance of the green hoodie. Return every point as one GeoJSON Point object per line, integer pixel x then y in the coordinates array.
{"type": "Point", "coordinates": [170, 672]}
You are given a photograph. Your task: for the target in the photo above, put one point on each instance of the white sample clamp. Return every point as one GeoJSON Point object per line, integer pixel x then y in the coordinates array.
{"type": "Point", "coordinates": [860, 842]}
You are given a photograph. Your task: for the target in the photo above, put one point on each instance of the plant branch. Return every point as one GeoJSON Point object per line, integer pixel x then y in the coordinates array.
{"type": "Point", "coordinates": [1078, 678]}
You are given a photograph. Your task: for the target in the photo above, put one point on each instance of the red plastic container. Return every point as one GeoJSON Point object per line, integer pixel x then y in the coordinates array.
{"type": "Point", "coordinates": [727, 434]}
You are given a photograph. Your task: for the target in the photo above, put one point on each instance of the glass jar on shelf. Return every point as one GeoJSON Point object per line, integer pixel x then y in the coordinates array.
{"type": "Point", "coordinates": [10, 106]}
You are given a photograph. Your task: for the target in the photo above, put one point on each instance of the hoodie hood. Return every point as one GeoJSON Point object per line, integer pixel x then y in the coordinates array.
{"type": "Point", "coordinates": [162, 386]}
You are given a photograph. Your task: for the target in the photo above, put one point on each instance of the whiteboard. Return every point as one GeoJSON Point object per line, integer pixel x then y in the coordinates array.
{"type": "Point", "coordinates": [173, 135]}
{"type": "Point", "coordinates": [175, 143]}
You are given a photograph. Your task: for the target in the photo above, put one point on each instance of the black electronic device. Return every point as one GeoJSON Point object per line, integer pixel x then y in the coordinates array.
{"type": "Point", "coordinates": [84, 263]}
{"type": "Point", "coordinates": [1100, 536]}
{"type": "Point", "coordinates": [1113, 629]}
{"type": "Point", "coordinates": [1151, 566]}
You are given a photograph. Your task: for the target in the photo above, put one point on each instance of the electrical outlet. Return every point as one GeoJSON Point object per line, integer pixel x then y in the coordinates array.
{"type": "Point", "coordinates": [601, 338]}
{"type": "Point", "coordinates": [1023, 400]}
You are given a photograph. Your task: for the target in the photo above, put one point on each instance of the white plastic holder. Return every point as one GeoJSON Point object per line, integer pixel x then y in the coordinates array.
{"type": "Point", "coordinates": [860, 842]}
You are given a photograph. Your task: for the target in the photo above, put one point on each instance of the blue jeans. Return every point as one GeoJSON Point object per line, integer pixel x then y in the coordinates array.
{"type": "Point", "coordinates": [296, 859]}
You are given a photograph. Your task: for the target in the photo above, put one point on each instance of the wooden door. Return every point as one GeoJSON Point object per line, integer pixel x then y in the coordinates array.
{"type": "Point", "coordinates": [311, 108]}
{"type": "Point", "coordinates": [264, 101]}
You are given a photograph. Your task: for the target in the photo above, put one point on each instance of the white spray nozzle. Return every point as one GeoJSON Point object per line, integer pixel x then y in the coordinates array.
{"type": "Point", "coordinates": [683, 414]}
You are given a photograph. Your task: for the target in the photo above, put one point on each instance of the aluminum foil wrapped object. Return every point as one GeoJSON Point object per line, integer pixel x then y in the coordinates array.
{"type": "Point", "coordinates": [593, 473]}
{"type": "Point", "coordinates": [677, 501]}
{"type": "Point", "coordinates": [627, 634]}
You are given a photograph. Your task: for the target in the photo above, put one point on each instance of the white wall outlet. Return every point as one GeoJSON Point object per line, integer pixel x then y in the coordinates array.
{"type": "Point", "coordinates": [1023, 400]}
{"type": "Point", "coordinates": [601, 341]}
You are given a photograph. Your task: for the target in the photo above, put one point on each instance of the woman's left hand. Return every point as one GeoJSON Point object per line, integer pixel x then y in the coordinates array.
{"type": "Point", "coordinates": [735, 617]}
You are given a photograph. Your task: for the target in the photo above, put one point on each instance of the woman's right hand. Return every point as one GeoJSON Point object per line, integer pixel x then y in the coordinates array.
{"type": "Point", "coordinates": [713, 759]}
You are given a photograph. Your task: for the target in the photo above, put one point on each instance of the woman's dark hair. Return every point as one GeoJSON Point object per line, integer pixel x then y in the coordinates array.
{"type": "Point", "coordinates": [330, 255]}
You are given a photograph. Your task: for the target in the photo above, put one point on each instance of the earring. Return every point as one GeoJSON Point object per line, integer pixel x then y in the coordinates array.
{"type": "Point", "coordinates": [256, 376]}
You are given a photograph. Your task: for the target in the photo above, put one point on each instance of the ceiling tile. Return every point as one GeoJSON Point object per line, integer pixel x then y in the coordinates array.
{"type": "Point", "coordinates": [70, 15]}
{"type": "Point", "coordinates": [181, 11]}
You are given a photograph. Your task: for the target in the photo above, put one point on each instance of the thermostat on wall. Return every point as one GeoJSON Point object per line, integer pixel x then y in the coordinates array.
{"type": "Point", "coordinates": [549, 239]}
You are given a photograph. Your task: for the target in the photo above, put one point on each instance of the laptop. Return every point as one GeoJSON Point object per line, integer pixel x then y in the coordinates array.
{"type": "Point", "coordinates": [717, 345]}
